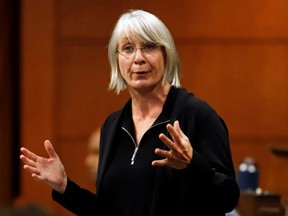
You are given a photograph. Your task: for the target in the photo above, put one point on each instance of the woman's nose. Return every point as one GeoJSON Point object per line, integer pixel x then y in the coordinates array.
{"type": "Point", "coordinates": [139, 57]}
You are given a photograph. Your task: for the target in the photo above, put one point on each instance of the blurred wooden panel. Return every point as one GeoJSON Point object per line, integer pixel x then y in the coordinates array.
{"type": "Point", "coordinates": [36, 91]}
{"type": "Point", "coordinates": [9, 74]}
{"type": "Point", "coordinates": [205, 18]}
{"type": "Point", "coordinates": [247, 84]}
{"type": "Point", "coordinates": [83, 101]}
{"type": "Point", "coordinates": [233, 54]}
{"type": "Point", "coordinates": [37, 70]}
{"type": "Point", "coordinates": [74, 161]}
{"type": "Point", "coordinates": [73, 152]}
{"type": "Point", "coordinates": [88, 19]}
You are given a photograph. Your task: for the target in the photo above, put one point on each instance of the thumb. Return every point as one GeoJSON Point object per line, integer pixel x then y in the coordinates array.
{"type": "Point", "coordinates": [49, 149]}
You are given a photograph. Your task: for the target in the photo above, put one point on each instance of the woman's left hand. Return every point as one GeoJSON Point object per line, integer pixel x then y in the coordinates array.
{"type": "Point", "coordinates": [181, 152]}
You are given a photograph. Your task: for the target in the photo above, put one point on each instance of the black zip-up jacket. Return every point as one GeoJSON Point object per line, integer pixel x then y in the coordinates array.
{"type": "Point", "coordinates": [207, 187]}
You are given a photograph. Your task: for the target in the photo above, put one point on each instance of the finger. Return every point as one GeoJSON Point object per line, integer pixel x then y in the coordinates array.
{"type": "Point", "coordinates": [174, 134]}
{"type": "Point", "coordinates": [178, 129]}
{"type": "Point", "coordinates": [163, 153]}
{"type": "Point", "coordinates": [49, 149]}
{"type": "Point", "coordinates": [163, 162]}
{"type": "Point", "coordinates": [31, 169]}
{"type": "Point", "coordinates": [167, 141]}
{"type": "Point", "coordinates": [29, 154]}
{"type": "Point", "coordinates": [37, 177]}
{"type": "Point", "coordinates": [27, 161]}
{"type": "Point", "coordinates": [184, 140]}
{"type": "Point", "coordinates": [24, 159]}
{"type": "Point", "coordinates": [177, 135]}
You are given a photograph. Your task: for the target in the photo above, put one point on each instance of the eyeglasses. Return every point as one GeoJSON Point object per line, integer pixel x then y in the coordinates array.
{"type": "Point", "coordinates": [129, 51]}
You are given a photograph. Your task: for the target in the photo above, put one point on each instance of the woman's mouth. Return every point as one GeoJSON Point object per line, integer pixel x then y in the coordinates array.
{"type": "Point", "coordinates": [140, 72]}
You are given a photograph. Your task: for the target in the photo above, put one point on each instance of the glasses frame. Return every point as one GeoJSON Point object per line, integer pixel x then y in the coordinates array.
{"type": "Point", "coordinates": [145, 49]}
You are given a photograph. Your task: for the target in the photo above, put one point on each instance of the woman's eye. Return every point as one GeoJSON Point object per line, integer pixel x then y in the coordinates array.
{"type": "Point", "coordinates": [149, 47]}
{"type": "Point", "coordinates": [128, 49]}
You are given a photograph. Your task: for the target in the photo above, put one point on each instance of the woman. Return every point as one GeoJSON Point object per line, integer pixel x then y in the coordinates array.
{"type": "Point", "coordinates": [165, 152]}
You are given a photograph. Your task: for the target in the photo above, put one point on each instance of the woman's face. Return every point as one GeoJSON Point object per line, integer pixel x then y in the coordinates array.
{"type": "Point", "coordinates": [141, 64]}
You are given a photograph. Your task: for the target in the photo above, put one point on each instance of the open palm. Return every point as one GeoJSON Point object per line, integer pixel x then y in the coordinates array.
{"type": "Point", "coordinates": [48, 170]}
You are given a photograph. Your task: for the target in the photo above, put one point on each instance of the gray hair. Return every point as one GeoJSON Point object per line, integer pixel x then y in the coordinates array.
{"type": "Point", "coordinates": [149, 28]}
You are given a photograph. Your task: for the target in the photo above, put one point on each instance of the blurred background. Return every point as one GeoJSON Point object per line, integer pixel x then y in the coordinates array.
{"type": "Point", "coordinates": [54, 75]}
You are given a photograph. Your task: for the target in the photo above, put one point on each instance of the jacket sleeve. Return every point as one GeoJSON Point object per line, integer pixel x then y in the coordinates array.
{"type": "Point", "coordinates": [211, 166]}
{"type": "Point", "coordinates": [77, 200]}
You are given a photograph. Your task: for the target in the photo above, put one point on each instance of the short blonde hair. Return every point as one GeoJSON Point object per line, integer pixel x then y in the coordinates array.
{"type": "Point", "coordinates": [148, 27]}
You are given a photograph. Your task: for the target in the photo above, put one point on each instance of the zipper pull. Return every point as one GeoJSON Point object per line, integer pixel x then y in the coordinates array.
{"type": "Point", "coordinates": [134, 154]}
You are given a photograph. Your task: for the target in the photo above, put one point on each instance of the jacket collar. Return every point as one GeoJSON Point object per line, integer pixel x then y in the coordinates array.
{"type": "Point", "coordinates": [168, 113]}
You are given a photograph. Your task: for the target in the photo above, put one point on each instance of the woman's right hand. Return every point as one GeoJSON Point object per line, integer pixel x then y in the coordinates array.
{"type": "Point", "coordinates": [48, 170]}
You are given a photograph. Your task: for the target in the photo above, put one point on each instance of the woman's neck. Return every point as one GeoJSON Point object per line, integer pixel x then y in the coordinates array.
{"type": "Point", "coordinates": [146, 107]}
{"type": "Point", "coordinates": [149, 104]}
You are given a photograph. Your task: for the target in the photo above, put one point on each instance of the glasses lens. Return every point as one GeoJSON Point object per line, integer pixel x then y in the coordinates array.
{"type": "Point", "coordinates": [148, 48]}
{"type": "Point", "coordinates": [129, 50]}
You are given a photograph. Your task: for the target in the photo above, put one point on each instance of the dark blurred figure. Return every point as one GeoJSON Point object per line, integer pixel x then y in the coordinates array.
{"type": "Point", "coordinates": [92, 158]}
{"type": "Point", "coordinates": [26, 210]}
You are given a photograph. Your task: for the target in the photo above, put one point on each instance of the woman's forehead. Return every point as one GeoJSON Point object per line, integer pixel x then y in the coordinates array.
{"type": "Point", "coordinates": [132, 39]}
{"type": "Point", "coordinates": [129, 40]}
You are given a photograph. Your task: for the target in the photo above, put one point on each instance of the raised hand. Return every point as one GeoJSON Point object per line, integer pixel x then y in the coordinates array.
{"type": "Point", "coordinates": [48, 170]}
{"type": "Point", "coordinates": [180, 151]}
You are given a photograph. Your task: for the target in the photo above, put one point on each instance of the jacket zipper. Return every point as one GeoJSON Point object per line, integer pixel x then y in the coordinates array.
{"type": "Point", "coordinates": [133, 140]}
